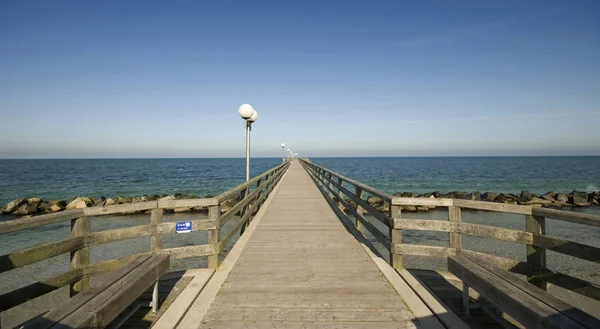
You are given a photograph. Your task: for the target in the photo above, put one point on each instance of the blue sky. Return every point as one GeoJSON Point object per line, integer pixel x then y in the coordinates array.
{"type": "Point", "coordinates": [328, 78]}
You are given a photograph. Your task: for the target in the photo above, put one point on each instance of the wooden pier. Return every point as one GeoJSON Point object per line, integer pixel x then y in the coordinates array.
{"type": "Point", "coordinates": [303, 262]}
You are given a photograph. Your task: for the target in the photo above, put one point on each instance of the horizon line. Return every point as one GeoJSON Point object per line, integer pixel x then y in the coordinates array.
{"type": "Point", "coordinates": [316, 157]}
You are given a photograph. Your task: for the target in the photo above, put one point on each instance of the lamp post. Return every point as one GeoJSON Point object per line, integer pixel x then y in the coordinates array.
{"type": "Point", "coordinates": [282, 158]}
{"type": "Point", "coordinates": [248, 113]}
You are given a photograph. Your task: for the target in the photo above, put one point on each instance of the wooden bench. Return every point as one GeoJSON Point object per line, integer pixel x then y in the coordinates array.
{"type": "Point", "coordinates": [97, 306]}
{"type": "Point", "coordinates": [527, 304]}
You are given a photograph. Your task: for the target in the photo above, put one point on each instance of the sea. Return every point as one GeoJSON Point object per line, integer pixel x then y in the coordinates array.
{"type": "Point", "coordinates": [67, 178]}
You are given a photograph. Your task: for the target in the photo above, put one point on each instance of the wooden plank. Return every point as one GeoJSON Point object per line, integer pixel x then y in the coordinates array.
{"type": "Point", "coordinates": [38, 253]}
{"type": "Point", "coordinates": [539, 294]}
{"type": "Point", "coordinates": [493, 206]}
{"type": "Point", "coordinates": [189, 203]}
{"type": "Point", "coordinates": [536, 255]}
{"type": "Point", "coordinates": [422, 250]}
{"type": "Point", "coordinates": [119, 208]}
{"type": "Point", "coordinates": [103, 267]}
{"type": "Point", "coordinates": [437, 306]}
{"type": "Point", "coordinates": [189, 251]}
{"type": "Point", "coordinates": [425, 225]}
{"type": "Point", "coordinates": [21, 295]}
{"type": "Point", "coordinates": [566, 247]}
{"type": "Point", "coordinates": [117, 234]}
{"type": "Point", "coordinates": [80, 257]}
{"type": "Point", "coordinates": [395, 237]}
{"type": "Point", "coordinates": [582, 287]}
{"type": "Point", "coordinates": [100, 311]}
{"type": "Point", "coordinates": [197, 225]}
{"type": "Point", "coordinates": [454, 238]}
{"type": "Point", "coordinates": [568, 216]}
{"type": "Point", "coordinates": [173, 315]}
{"type": "Point", "coordinates": [527, 310]}
{"type": "Point", "coordinates": [156, 219]}
{"type": "Point", "coordinates": [492, 232]}
{"type": "Point", "coordinates": [506, 264]}
{"type": "Point", "coordinates": [213, 236]}
{"type": "Point", "coordinates": [399, 201]}
{"type": "Point", "coordinates": [63, 310]}
{"type": "Point", "coordinates": [35, 221]}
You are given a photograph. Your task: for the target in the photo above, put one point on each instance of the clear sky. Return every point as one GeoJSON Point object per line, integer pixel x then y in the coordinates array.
{"type": "Point", "coordinates": [328, 78]}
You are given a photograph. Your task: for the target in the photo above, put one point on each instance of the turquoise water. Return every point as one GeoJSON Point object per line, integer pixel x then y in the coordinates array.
{"type": "Point", "coordinates": [66, 178]}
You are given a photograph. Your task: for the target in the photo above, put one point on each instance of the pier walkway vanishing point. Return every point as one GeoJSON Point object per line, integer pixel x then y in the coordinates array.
{"type": "Point", "coordinates": [301, 268]}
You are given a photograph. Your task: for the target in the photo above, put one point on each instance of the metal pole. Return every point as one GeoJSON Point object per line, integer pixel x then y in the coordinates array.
{"type": "Point", "coordinates": [155, 298]}
{"type": "Point", "coordinates": [282, 158]}
{"type": "Point", "coordinates": [247, 151]}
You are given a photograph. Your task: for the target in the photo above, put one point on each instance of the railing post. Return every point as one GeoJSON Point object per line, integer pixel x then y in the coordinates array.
{"type": "Point", "coordinates": [156, 241]}
{"type": "Point", "coordinates": [214, 212]}
{"type": "Point", "coordinates": [454, 238]}
{"type": "Point", "coordinates": [395, 237]}
{"type": "Point", "coordinates": [340, 195]}
{"type": "Point", "coordinates": [536, 255]}
{"type": "Point", "coordinates": [359, 210]}
{"type": "Point", "coordinates": [80, 258]}
{"type": "Point", "coordinates": [245, 208]}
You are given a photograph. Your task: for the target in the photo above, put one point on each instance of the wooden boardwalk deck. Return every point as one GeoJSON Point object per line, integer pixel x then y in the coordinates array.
{"type": "Point", "coordinates": [302, 268]}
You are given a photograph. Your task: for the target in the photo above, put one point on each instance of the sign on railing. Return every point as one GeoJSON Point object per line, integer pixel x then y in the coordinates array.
{"type": "Point", "coordinates": [183, 227]}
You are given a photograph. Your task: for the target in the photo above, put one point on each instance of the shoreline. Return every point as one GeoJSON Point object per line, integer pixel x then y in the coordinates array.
{"type": "Point", "coordinates": [24, 207]}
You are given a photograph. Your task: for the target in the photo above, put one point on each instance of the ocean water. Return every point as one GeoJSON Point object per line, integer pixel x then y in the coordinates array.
{"type": "Point", "coordinates": [67, 178]}
{"type": "Point", "coordinates": [470, 174]}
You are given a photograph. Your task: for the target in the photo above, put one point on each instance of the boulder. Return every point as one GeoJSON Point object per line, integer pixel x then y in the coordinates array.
{"type": "Point", "coordinates": [13, 205]}
{"type": "Point", "coordinates": [167, 198]}
{"type": "Point", "coordinates": [181, 209]}
{"type": "Point", "coordinates": [408, 195]}
{"type": "Point", "coordinates": [77, 203]}
{"type": "Point", "coordinates": [525, 197]}
{"type": "Point", "coordinates": [462, 196]}
{"type": "Point", "coordinates": [421, 208]}
{"type": "Point", "coordinates": [109, 202]}
{"type": "Point", "coordinates": [21, 211]}
{"type": "Point", "coordinates": [436, 194]}
{"type": "Point", "coordinates": [506, 198]}
{"type": "Point", "coordinates": [580, 199]}
{"type": "Point", "coordinates": [409, 208]}
{"type": "Point", "coordinates": [56, 205]}
{"type": "Point", "coordinates": [136, 200]}
{"type": "Point", "coordinates": [122, 200]}
{"type": "Point", "coordinates": [55, 208]}
{"type": "Point", "coordinates": [536, 201]}
{"type": "Point", "coordinates": [489, 196]}
{"type": "Point", "coordinates": [476, 196]}
{"type": "Point", "coordinates": [561, 197]}
{"type": "Point", "coordinates": [398, 194]}
{"type": "Point", "coordinates": [374, 201]}
{"type": "Point", "coordinates": [34, 200]}
{"type": "Point", "coordinates": [593, 196]}
{"type": "Point", "coordinates": [550, 196]}
{"type": "Point", "coordinates": [43, 206]}
{"type": "Point", "coordinates": [425, 195]}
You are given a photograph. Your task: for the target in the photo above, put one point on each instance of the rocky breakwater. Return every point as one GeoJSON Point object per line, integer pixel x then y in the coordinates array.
{"type": "Point", "coordinates": [550, 199]}
{"type": "Point", "coordinates": [33, 206]}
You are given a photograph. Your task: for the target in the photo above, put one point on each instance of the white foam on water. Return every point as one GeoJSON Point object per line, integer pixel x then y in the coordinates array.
{"type": "Point", "coordinates": [591, 188]}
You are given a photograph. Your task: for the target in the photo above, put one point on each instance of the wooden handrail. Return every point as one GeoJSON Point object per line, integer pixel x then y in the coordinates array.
{"type": "Point", "coordinates": [533, 237]}
{"type": "Point", "coordinates": [80, 241]}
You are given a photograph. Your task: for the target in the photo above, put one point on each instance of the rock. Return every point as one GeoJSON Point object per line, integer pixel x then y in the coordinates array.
{"type": "Point", "coordinates": [136, 200]}
{"type": "Point", "coordinates": [56, 205]}
{"type": "Point", "coordinates": [43, 206]}
{"type": "Point", "coordinates": [154, 197]}
{"type": "Point", "coordinates": [122, 200]}
{"type": "Point", "coordinates": [55, 208]}
{"type": "Point", "coordinates": [476, 196]}
{"type": "Point", "coordinates": [421, 208]}
{"type": "Point", "coordinates": [593, 196]}
{"type": "Point", "coordinates": [398, 194]}
{"type": "Point", "coordinates": [77, 203]}
{"type": "Point", "coordinates": [21, 211]}
{"type": "Point", "coordinates": [525, 197]}
{"type": "Point", "coordinates": [374, 201]}
{"type": "Point", "coordinates": [34, 200]}
{"type": "Point", "coordinates": [109, 202]}
{"type": "Point", "coordinates": [462, 196]}
{"type": "Point", "coordinates": [580, 199]}
{"type": "Point", "coordinates": [489, 196]}
{"type": "Point", "coordinates": [425, 195]}
{"type": "Point", "coordinates": [536, 201]}
{"type": "Point", "coordinates": [13, 205]}
{"type": "Point", "coordinates": [409, 208]}
{"type": "Point", "coordinates": [181, 209]}
{"type": "Point", "coordinates": [408, 195]}
{"type": "Point", "coordinates": [550, 196]}
{"type": "Point", "coordinates": [436, 194]}
{"type": "Point", "coordinates": [167, 198]}
{"type": "Point", "coordinates": [99, 203]}
{"type": "Point", "coordinates": [561, 197]}
{"type": "Point", "coordinates": [88, 202]}
{"type": "Point", "coordinates": [506, 198]}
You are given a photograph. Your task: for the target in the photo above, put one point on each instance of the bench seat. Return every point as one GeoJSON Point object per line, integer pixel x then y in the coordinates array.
{"type": "Point", "coordinates": [97, 306]}
{"type": "Point", "coordinates": [527, 304]}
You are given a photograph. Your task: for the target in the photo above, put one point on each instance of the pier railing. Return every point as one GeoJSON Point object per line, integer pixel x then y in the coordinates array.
{"type": "Point", "coordinates": [352, 199]}
{"type": "Point", "coordinates": [243, 200]}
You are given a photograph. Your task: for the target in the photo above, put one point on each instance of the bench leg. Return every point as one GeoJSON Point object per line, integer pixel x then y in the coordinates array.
{"type": "Point", "coordinates": [466, 298]}
{"type": "Point", "coordinates": [155, 298]}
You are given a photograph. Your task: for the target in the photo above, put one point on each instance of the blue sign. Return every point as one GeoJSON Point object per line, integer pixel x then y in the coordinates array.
{"type": "Point", "coordinates": [183, 227]}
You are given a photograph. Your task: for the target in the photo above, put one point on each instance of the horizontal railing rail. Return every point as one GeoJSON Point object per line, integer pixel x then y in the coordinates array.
{"type": "Point", "coordinates": [243, 201]}
{"type": "Point", "coordinates": [534, 236]}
